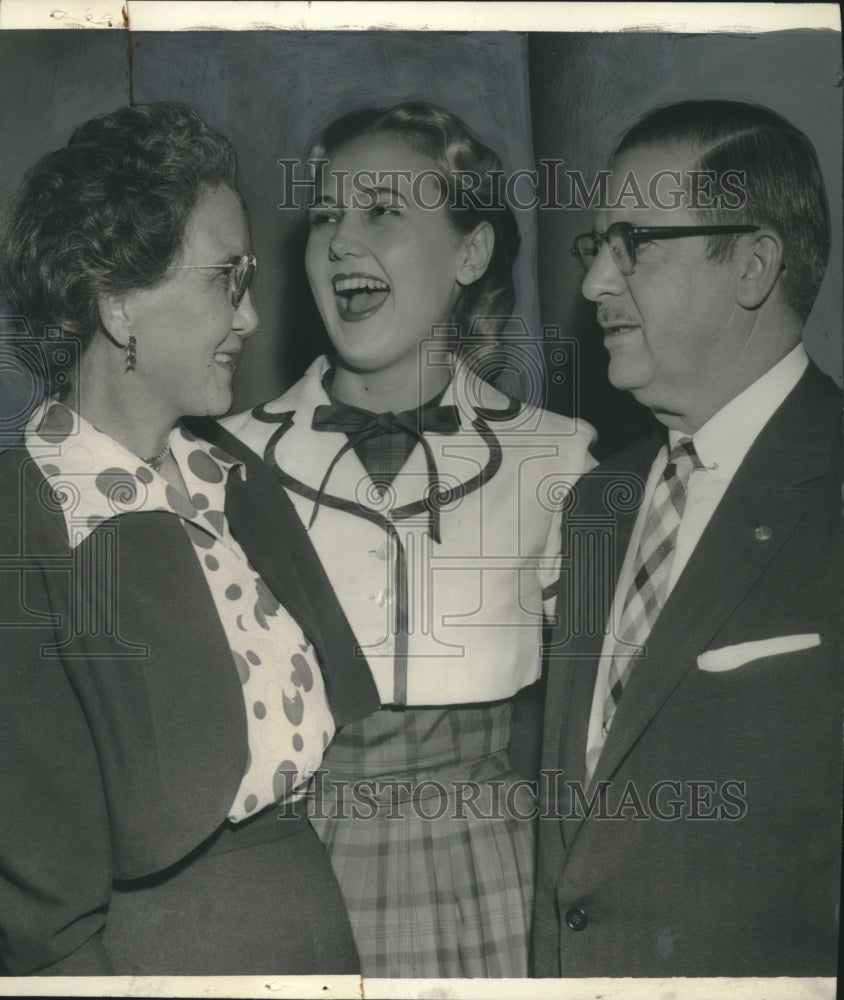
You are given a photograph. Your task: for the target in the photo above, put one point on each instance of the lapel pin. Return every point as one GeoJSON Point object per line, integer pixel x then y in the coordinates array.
{"type": "Point", "coordinates": [763, 532]}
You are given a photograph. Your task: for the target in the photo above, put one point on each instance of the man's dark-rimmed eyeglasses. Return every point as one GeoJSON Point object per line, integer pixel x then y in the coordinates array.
{"type": "Point", "coordinates": [622, 239]}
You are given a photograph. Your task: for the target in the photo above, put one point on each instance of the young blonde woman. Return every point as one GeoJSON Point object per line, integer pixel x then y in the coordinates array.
{"type": "Point", "coordinates": [427, 495]}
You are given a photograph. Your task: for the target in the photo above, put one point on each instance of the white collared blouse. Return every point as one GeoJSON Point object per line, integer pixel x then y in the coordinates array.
{"type": "Point", "coordinates": [454, 622]}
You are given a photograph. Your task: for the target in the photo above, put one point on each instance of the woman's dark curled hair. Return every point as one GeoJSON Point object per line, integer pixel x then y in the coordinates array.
{"type": "Point", "coordinates": [107, 213]}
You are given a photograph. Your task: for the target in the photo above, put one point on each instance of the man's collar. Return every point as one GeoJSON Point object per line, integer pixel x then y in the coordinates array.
{"type": "Point", "coordinates": [727, 436]}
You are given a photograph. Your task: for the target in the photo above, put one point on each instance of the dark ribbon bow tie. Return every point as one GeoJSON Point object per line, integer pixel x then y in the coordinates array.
{"type": "Point", "coordinates": [360, 425]}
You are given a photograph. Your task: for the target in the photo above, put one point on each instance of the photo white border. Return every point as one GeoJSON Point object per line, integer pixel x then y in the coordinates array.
{"type": "Point", "coordinates": [181, 15]}
{"type": "Point", "coordinates": [410, 15]}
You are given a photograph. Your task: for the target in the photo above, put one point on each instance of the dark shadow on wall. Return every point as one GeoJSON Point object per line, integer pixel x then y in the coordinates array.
{"type": "Point", "coordinates": [299, 313]}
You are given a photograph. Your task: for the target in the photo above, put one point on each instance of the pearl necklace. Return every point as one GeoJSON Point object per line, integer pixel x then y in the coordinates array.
{"type": "Point", "coordinates": [158, 460]}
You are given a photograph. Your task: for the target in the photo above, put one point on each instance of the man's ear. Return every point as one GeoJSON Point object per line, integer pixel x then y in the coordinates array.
{"type": "Point", "coordinates": [760, 266]}
{"type": "Point", "coordinates": [476, 253]}
{"type": "Point", "coordinates": [114, 318]}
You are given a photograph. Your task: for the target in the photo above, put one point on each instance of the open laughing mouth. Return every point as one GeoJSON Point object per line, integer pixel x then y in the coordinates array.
{"type": "Point", "coordinates": [359, 295]}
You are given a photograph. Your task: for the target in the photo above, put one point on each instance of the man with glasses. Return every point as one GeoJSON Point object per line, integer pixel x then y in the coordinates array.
{"type": "Point", "coordinates": [690, 820]}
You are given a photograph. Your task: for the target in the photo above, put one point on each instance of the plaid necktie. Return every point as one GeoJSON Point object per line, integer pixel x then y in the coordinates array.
{"type": "Point", "coordinates": [651, 573]}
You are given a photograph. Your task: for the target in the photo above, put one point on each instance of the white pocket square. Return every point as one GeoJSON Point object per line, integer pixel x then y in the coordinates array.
{"type": "Point", "coordinates": [730, 657]}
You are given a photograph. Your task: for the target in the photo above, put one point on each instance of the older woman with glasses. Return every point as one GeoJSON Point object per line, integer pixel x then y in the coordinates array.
{"type": "Point", "coordinates": [162, 703]}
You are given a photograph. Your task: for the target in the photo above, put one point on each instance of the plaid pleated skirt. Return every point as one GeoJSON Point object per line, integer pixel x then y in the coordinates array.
{"type": "Point", "coordinates": [431, 836]}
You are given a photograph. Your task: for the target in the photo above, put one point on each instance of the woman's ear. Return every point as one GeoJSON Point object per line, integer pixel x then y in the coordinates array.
{"type": "Point", "coordinates": [760, 266]}
{"type": "Point", "coordinates": [114, 318]}
{"type": "Point", "coordinates": [475, 253]}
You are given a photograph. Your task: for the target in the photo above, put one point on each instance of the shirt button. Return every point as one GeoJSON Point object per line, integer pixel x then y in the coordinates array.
{"type": "Point", "coordinates": [384, 598]}
{"type": "Point", "coordinates": [576, 919]}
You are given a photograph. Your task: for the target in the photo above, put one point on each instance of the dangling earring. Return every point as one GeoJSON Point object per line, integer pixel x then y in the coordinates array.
{"type": "Point", "coordinates": [131, 356]}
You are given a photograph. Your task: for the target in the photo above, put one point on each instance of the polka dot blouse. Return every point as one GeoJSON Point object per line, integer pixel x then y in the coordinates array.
{"type": "Point", "coordinates": [94, 478]}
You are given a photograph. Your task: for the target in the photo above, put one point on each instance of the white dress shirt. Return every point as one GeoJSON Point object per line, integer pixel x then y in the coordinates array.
{"type": "Point", "coordinates": [722, 444]}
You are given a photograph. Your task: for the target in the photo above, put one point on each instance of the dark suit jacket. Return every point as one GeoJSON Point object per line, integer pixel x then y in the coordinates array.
{"type": "Point", "coordinates": [715, 851]}
{"type": "Point", "coordinates": [122, 723]}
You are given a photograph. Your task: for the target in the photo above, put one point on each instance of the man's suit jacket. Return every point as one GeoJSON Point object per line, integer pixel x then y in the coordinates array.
{"type": "Point", "coordinates": [716, 849]}
{"type": "Point", "coordinates": [122, 722]}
